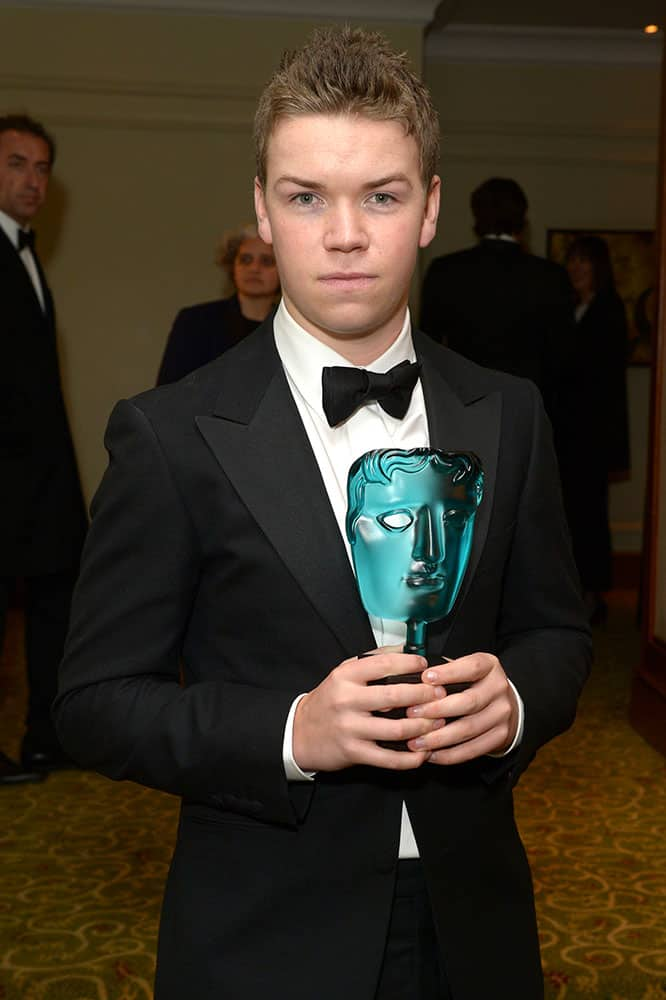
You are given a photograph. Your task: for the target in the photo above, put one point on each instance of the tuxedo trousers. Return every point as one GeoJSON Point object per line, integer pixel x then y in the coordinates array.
{"type": "Point", "coordinates": [48, 600]}
{"type": "Point", "coordinates": [411, 968]}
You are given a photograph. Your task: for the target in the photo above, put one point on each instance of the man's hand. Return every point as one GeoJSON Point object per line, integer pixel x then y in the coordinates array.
{"type": "Point", "coordinates": [334, 726]}
{"type": "Point", "coordinates": [484, 718]}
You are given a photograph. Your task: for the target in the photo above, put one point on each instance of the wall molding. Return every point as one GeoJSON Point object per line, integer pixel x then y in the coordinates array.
{"type": "Point", "coordinates": [114, 103]}
{"type": "Point", "coordinates": [243, 99]}
{"type": "Point", "coordinates": [175, 105]}
{"type": "Point", "coordinates": [124, 87]}
{"type": "Point", "coordinates": [644, 131]}
{"type": "Point", "coordinates": [415, 12]}
{"type": "Point", "coordinates": [631, 144]}
{"type": "Point", "coordinates": [499, 43]}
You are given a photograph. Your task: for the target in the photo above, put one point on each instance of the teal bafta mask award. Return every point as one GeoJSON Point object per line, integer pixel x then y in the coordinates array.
{"type": "Point", "coordinates": [410, 521]}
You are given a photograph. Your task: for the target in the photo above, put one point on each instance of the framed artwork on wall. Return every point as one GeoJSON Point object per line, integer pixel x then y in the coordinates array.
{"type": "Point", "coordinates": [633, 256]}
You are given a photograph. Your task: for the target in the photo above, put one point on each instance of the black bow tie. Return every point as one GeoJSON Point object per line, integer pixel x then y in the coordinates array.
{"type": "Point", "coordinates": [26, 238]}
{"type": "Point", "coordinates": [345, 389]}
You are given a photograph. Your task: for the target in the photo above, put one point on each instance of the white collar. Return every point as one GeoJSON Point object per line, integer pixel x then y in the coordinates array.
{"type": "Point", "coordinates": [503, 237]}
{"type": "Point", "coordinates": [11, 227]}
{"type": "Point", "coordinates": [303, 356]}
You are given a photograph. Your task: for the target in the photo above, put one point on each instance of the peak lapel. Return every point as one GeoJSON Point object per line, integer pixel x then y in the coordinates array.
{"type": "Point", "coordinates": [257, 437]}
{"type": "Point", "coordinates": [461, 419]}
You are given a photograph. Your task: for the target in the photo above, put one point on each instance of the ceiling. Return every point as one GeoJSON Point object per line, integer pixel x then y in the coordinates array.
{"type": "Point", "coordinates": [620, 14]}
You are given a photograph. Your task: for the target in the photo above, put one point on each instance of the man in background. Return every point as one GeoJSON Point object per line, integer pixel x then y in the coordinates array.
{"type": "Point", "coordinates": [497, 304]}
{"type": "Point", "coordinates": [42, 515]}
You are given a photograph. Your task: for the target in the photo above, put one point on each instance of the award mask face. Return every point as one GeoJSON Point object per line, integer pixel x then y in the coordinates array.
{"type": "Point", "coordinates": [410, 521]}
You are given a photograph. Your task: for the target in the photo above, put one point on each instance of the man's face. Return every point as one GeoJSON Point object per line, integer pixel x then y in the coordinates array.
{"type": "Point", "coordinates": [345, 209]}
{"type": "Point", "coordinates": [24, 174]}
{"type": "Point", "coordinates": [411, 544]}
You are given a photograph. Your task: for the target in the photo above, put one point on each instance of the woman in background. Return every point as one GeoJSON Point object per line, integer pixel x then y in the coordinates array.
{"type": "Point", "coordinates": [593, 429]}
{"type": "Point", "coordinates": [202, 332]}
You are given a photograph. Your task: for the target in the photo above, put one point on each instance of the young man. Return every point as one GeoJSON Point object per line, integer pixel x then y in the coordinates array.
{"type": "Point", "coordinates": [42, 515]}
{"type": "Point", "coordinates": [311, 861]}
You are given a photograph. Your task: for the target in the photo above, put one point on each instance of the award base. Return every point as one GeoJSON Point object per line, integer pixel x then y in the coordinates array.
{"type": "Point", "coordinates": [399, 713]}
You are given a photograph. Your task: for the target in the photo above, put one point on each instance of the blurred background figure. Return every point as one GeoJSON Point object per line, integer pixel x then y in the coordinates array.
{"type": "Point", "coordinates": [202, 332]}
{"type": "Point", "coordinates": [593, 430]}
{"type": "Point", "coordinates": [497, 304]}
{"type": "Point", "coordinates": [42, 513]}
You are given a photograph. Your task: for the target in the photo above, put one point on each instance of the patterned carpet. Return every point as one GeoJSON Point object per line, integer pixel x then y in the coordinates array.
{"type": "Point", "coordinates": [83, 860]}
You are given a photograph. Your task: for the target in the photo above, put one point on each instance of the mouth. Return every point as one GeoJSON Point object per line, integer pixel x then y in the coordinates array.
{"type": "Point", "coordinates": [425, 581]}
{"type": "Point", "coordinates": [347, 280]}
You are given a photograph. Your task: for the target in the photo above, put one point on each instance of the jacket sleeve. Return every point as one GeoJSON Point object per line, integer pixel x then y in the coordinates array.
{"type": "Point", "coordinates": [120, 707]}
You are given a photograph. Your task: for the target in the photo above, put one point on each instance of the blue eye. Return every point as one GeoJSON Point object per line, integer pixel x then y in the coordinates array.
{"type": "Point", "coordinates": [382, 198]}
{"type": "Point", "coordinates": [396, 520]}
{"type": "Point", "coordinates": [305, 198]}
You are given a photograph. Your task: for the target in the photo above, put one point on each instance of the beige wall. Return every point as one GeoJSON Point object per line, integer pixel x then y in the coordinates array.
{"type": "Point", "coordinates": [582, 141]}
{"type": "Point", "coordinates": [153, 116]}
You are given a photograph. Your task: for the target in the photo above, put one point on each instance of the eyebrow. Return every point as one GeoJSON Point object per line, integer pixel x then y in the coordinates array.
{"type": "Point", "coordinates": [303, 182]}
{"type": "Point", "coordinates": [21, 158]}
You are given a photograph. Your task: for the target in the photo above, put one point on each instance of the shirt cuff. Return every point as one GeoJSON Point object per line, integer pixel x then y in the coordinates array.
{"type": "Point", "coordinates": [517, 740]}
{"type": "Point", "coordinates": [291, 769]}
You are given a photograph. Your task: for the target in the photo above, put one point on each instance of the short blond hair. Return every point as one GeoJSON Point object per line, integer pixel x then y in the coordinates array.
{"type": "Point", "coordinates": [349, 71]}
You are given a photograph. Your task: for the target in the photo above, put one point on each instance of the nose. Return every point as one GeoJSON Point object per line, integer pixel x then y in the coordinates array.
{"type": "Point", "coordinates": [346, 230]}
{"type": "Point", "coordinates": [429, 542]}
{"type": "Point", "coordinates": [34, 178]}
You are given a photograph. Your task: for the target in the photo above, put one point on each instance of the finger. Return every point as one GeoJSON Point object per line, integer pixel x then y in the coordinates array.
{"type": "Point", "coordinates": [382, 664]}
{"type": "Point", "coordinates": [465, 668]}
{"type": "Point", "coordinates": [378, 729]}
{"type": "Point", "coordinates": [488, 743]}
{"type": "Point", "coordinates": [392, 760]}
{"type": "Point", "coordinates": [385, 697]}
{"type": "Point", "coordinates": [469, 702]}
{"type": "Point", "coordinates": [463, 729]}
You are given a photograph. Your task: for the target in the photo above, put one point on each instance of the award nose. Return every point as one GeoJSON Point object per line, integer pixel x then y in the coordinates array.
{"type": "Point", "coordinates": [429, 543]}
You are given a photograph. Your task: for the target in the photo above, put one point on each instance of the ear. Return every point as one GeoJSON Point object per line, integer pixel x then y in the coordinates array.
{"type": "Point", "coordinates": [430, 212]}
{"type": "Point", "coordinates": [263, 223]}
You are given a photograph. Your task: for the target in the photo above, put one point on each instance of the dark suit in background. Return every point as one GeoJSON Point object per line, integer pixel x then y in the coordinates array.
{"type": "Point", "coordinates": [214, 549]}
{"type": "Point", "coordinates": [42, 514]}
{"type": "Point", "coordinates": [592, 434]}
{"type": "Point", "coordinates": [505, 309]}
{"type": "Point", "coordinates": [201, 333]}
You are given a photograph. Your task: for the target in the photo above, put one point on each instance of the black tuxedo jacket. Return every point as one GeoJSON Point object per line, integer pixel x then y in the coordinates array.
{"type": "Point", "coordinates": [42, 516]}
{"type": "Point", "coordinates": [201, 333]}
{"type": "Point", "coordinates": [214, 549]}
{"type": "Point", "coordinates": [504, 309]}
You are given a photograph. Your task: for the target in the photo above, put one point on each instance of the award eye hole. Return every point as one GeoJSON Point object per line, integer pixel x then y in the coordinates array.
{"type": "Point", "coordinates": [396, 520]}
{"type": "Point", "coordinates": [455, 516]}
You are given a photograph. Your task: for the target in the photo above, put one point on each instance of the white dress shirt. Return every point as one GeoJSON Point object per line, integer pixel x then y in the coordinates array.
{"type": "Point", "coordinates": [11, 228]}
{"type": "Point", "coordinates": [335, 448]}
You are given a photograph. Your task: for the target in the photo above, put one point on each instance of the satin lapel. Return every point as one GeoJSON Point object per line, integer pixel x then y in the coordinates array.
{"type": "Point", "coordinates": [49, 311]}
{"type": "Point", "coordinates": [461, 419]}
{"type": "Point", "coordinates": [260, 442]}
